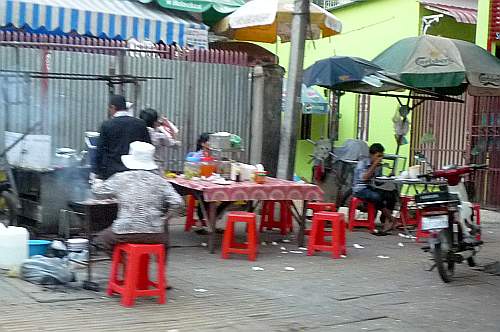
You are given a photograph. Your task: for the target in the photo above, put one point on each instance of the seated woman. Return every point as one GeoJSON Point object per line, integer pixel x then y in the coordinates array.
{"type": "Point", "coordinates": [366, 171]}
{"type": "Point", "coordinates": [144, 198]}
{"type": "Point", "coordinates": [203, 147]}
{"type": "Point", "coordinates": [159, 139]}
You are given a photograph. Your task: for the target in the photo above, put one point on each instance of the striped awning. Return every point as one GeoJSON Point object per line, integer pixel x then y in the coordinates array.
{"type": "Point", "coordinates": [113, 19]}
{"type": "Point", "coordinates": [460, 14]}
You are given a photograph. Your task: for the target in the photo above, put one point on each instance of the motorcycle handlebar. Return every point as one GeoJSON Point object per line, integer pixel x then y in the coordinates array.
{"type": "Point", "coordinates": [455, 172]}
{"type": "Point", "coordinates": [479, 166]}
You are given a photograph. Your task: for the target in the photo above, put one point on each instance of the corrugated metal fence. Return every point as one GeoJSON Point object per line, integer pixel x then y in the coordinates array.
{"type": "Point", "coordinates": [199, 97]}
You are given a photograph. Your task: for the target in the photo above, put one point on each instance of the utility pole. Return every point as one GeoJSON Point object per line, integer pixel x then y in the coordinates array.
{"type": "Point", "coordinates": [289, 128]}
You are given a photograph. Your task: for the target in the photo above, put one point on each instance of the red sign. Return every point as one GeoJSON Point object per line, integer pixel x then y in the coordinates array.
{"type": "Point", "coordinates": [494, 34]}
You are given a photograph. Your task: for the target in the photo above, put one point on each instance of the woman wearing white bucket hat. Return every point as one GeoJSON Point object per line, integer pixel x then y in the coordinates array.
{"type": "Point", "coordinates": [144, 198]}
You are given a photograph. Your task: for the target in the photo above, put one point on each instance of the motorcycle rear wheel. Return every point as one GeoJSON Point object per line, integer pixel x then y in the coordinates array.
{"type": "Point", "coordinates": [445, 266]}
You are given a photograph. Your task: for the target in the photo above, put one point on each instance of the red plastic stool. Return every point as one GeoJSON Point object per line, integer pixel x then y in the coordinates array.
{"type": "Point", "coordinates": [320, 207]}
{"type": "Point", "coordinates": [136, 281]}
{"type": "Point", "coordinates": [405, 211]}
{"type": "Point", "coordinates": [337, 245]}
{"type": "Point", "coordinates": [372, 214]}
{"type": "Point", "coordinates": [230, 246]}
{"type": "Point", "coordinates": [284, 224]}
{"type": "Point", "coordinates": [476, 208]}
{"type": "Point", "coordinates": [191, 210]}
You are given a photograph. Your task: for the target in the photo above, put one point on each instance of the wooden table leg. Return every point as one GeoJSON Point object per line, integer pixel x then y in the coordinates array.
{"type": "Point", "coordinates": [89, 284]}
{"type": "Point", "coordinates": [212, 222]}
{"type": "Point", "coordinates": [302, 225]}
{"type": "Point", "coordinates": [209, 211]}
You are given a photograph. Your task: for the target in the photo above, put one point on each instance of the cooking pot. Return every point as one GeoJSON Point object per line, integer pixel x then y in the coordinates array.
{"type": "Point", "coordinates": [66, 157]}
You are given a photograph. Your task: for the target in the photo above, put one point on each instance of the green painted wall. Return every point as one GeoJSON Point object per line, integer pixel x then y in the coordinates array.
{"type": "Point", "coordinates": [483, 22]}
{"type": "Point", "coordinates": [369, 27]}
{"type": "Point", "coordinates": [448, 27]}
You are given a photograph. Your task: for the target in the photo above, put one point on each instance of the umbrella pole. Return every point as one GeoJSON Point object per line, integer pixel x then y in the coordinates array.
{"type": "Point", "coordinates": [289, 129]}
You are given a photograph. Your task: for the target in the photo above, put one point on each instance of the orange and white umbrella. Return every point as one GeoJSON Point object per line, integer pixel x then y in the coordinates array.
{"type": "Point", "coordinates": [266, 20]}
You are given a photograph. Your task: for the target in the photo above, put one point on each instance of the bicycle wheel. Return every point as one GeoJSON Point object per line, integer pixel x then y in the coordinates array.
{"type": "Point", "coordinates": [445, 266]}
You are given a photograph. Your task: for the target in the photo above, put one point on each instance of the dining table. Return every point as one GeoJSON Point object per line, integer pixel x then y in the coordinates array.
{"type": "Point", "coordinates": [228, 191]}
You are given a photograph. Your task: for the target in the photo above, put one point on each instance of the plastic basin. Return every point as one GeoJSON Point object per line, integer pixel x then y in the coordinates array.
{"type": "Point", "coordinates": [38, 247]}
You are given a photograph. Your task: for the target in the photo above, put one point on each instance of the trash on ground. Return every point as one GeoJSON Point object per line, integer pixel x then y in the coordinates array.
{"type": "Point", "coordinates": [203, 244]}
{"type": "Point", "coordinates": [401, 244]}
{"type": "Point", "coordinates": [46, 270]}
{"type": "Point", "coordinates": [289, 268]}
{"type": "Point", "coordinates": [357, 246]}
{"type": "Point", "coordinates": [296, 252]}
{"type": "Point", "coordinates": [274, 243]}
{"type": "Point", "coordinates": [200, 290]}
{"type": "Point", "coordinates": [286, 241]}
{"type": "Point", "coordinates": [283, 248]}
{"type": "Point", "coordinates": [407, 236]}
{"type": "Point", "coordinates": [256, 268]}
{"type": "Point", "coordinates": [284, 252]}
{"type": "Point", "coordinates": [383, 257]}
{"type": "Point", "coordinates": [343, 256]}
{"type": "Point", "coordinates": [302, 248]}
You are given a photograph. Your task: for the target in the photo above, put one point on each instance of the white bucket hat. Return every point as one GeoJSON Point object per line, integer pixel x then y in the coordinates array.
{"type": "Point", "coordinates": [141, 156]}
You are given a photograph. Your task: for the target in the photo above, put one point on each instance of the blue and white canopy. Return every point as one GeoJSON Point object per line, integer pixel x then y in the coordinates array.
{"type": "Point", "coordinates": [114, 19]}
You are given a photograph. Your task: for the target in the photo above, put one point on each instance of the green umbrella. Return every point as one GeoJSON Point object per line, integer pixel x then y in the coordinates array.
{"type": "Point", "coordinates": [213, 10]}
{"type": "Point", "coordinates": [448, 66]}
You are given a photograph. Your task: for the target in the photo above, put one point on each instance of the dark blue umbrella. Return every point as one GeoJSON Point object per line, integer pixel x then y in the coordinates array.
{"type": "Point", "coordinates": [338, 71]}
{"type": "Point", "coordinates": [352, 74]}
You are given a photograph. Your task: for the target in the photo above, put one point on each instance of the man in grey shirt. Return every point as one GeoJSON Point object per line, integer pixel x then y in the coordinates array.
{"type": "Point", "coordinates": [144, 198]}
{"type": "Point", "coordinates": [366, 171]}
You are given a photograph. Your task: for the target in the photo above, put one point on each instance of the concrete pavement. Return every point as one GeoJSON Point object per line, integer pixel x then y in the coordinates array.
{"type": "Point", "coordinates": [362, 292]}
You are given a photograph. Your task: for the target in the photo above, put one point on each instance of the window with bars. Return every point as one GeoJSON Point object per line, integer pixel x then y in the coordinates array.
{"type": "Point", "coordinates": [306, 127]}
{"type": "Point", "coordinates": [363, 104]}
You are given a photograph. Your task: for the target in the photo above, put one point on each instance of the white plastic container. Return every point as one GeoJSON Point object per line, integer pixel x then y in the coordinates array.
{"type": "Point", "coordinates": [13, 246]}
{"type": "Point", "coordinates": [220, 141]}
{"type": "Point", "coordinates": [247, 172]}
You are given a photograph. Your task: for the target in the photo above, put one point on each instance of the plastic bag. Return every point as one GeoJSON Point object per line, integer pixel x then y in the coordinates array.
{"type": "Point", "coordinates": [353, 149]}
{"type": "Point", "coordinates": [46, 270]}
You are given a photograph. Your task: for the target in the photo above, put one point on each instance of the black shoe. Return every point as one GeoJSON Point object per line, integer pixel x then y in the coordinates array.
{"type": "Point", "coordinates": [201, 231]}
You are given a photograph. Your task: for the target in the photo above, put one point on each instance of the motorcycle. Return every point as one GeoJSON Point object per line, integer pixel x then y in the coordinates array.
{"type": "Point", "coordinates": [9, 198]}
{"type": "Point", "coordinates": [448, 216]}
{"type": "Point", "coordinates": [333, 168]}
{"type": "Point", "coordinates": [9, 204]}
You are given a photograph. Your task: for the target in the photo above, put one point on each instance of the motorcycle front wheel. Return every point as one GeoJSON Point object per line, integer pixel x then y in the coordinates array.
{"type": "Point", "coordinates": [444, 264]}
